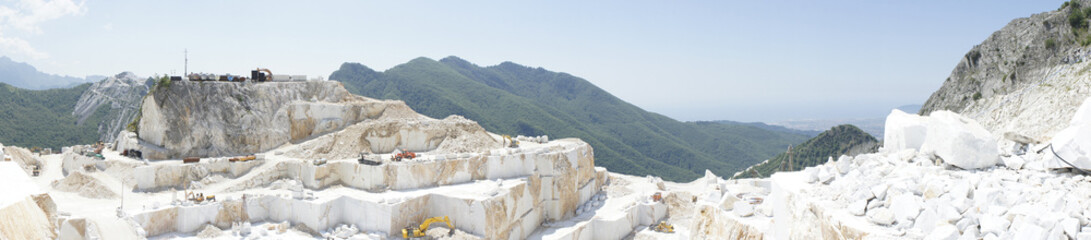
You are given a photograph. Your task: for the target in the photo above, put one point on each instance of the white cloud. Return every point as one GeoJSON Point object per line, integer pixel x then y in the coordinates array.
{"type": "Point", "coordinates": [20, 47]}
{"type": "Point", "coordinates": [26, 16]}
{"type": "Point", "coordinates": [108, 27]}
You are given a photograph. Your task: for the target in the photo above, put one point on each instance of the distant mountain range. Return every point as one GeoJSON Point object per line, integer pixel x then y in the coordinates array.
{"type": "Point", "coordinates": [25, 76]}
{"type": "Point", "coordinates": [513, 99]}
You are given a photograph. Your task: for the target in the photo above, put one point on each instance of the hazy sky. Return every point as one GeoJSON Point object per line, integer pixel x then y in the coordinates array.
{"type": "Point", "coordinates": [699, 60]}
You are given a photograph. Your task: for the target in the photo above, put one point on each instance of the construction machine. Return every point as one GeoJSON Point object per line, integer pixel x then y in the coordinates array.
{"type": "Point", "coordinates": [657, 197]}
{"type": "Point", "coordinates": [242, 159]}
{"type": "Point", "coordinates": [364, 160]}
{"type": "Point", "coordinates": [199, 197]}
{"type": "Point", "coordinates": [257, 75]}
{"type": "Point", "coordinates": [405, 154]}
{"type": "Point", "coordinates": [416, 232]}
{"type": "Point", "coordinates": [509, 142]}
{"type": "Point", "coordinates": [664, 227]}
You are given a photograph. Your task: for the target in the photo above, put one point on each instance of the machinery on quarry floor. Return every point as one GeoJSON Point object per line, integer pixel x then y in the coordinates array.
{"type": "Point", "coordinates": [242, 159]}
{"type": "Point", "coordinates": [657, 197]}
{"type": "Point", "coordinates": [364, 160]}
{"type": "Point", "coordinates": [404, 154]}
{"type": "Point", "coordinates": [509, 142]}
{"type": "Point", "coordinates": [132, 153]}
{"type": "Point", "coordinates": [664, 227]}
{"type": "Point", "coordinates": [416, 232]}
{"type": "Point", "coordinates": [199, 197]}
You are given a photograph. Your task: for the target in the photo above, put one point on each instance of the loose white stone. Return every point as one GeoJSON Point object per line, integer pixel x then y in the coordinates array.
{"type": "Point", "coordinates": [960, 141]}
{"type": "Point", "coordinates": [844, 164]}
{"type": "Point", "coordinates": [943, 232]}
{"type": "Point", "coordinates": [904, 131]}
{"type": "Point", "coordinates": [1014, 162]}
{"type": "Point", "coordinates": [969, 234]}
{"type": "Point", "coordinates": [825, 175]}
{"type": "Point", "coordinates": [811, 174]}
{"type": "Point", "coordinates": [966, 223]}
{"type": "Point", "coordinates": [858, 208]}
{"type": "Point", "coordinates": [743, 209]}
{"type": "Point", "coordinates": [905, 206]}
{"type": "Point", "coordinates": [1072, 143]}
{"type": "Point", "coordinates": [993, 224]}
{"type": "Point", "coordinates": [927, 220]}
{"type": "Point", "coordinates": [879, 191]}
{"type": "Point", "coordinates": [1083, 236]}
{"type": "Point", "coordinates": [881, 216]}
{"type": "Point", "coordinates": [1030, 231]}
{"type": "Point", "coordinates": [1070, 226]}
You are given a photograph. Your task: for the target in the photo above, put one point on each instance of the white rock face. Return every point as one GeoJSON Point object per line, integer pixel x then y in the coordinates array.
{"type": "Point", "coordinates": [960, 141]}
{"type": "Point", "coordinates": [201, 119]}
{"type": "Point", "coordinates": [1072, 143]}
{"type": "Point", "coordinates": [904, 131]}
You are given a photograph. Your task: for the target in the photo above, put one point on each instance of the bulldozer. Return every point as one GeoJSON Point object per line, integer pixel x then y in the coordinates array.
{"type": "Point", "coordinates": [404, 154]}
{"type": "Point", "coordinates": [417, 232]}
{"type": "Point", "coordinates": [664, 227]}
{"type": "Point", "coordinates": [512, 143]}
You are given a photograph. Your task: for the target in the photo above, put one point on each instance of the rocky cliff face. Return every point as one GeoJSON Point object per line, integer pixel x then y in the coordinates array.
{"type": "Point", "coordinates": [122, 92]}
{"type": "Point", "coordinates": [200, 119]}
{"type": "Point", "coordinates": [1039, 55]}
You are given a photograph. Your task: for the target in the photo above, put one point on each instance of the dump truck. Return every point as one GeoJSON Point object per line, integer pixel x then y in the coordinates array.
{"type": "Point", "coordinates": [416, 232]}
{"type": "Point", "coordinates": [404, 154]}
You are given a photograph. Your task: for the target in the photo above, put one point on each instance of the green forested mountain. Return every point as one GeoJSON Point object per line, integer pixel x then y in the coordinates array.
{"type": "Point", "coordinates": [840, 140]}
{"type": "Point", "coordinates": [519, 100]}
{"type": "Point", "coordinates": [43, 118]}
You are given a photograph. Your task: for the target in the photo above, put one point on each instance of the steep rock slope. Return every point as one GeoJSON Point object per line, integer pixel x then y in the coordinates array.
{"type": "Point", "coordinates": [121, 93]}
{"type": "Point", "coordinates": [519, 100]}
{"type": "Point", "coordinates": [1025, 78]}
{"type": "Point", "coordinates": [840, 140]}
{"type": "Point", "coordinates": [199, 119]}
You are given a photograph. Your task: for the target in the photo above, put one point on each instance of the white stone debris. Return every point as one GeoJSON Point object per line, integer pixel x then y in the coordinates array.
{"type": "Point", "coordinates": [904, 131]}
{"type": "Point", "coordinates": [960, 141]}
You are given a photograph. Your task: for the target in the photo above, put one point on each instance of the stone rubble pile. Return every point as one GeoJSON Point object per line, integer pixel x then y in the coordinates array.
{"type": "Point", "coordinates": [944, 177]}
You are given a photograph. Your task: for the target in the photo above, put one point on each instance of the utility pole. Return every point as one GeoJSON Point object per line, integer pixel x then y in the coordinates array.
{"type": "Point", "coordinates": [789, 157]}
{"type": "Point", "coordinates": [185, 70]}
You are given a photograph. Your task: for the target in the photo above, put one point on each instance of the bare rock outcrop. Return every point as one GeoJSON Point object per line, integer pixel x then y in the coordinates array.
{"type": "Point", "coordinates": [202, 119]}
{"type": "Point", "coordinates": [1026, 77]}
{"type": "Point", "coordinates": [122, 93]}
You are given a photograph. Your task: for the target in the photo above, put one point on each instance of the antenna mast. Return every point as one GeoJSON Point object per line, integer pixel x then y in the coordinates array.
{"type": "Point", "coordinates": [185, 70]}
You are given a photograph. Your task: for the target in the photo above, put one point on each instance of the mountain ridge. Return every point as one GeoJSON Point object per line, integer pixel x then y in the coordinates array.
{"type": "Point", "coordinates": [516, 99]}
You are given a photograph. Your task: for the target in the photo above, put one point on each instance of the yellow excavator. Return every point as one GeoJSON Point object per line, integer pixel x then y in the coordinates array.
{"type": "Point", "coordinates": [509, 142]}
{"type": "Point", "coordinates": [416, 232]}
{"type": "Point", "coordinates": [664, 227]}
